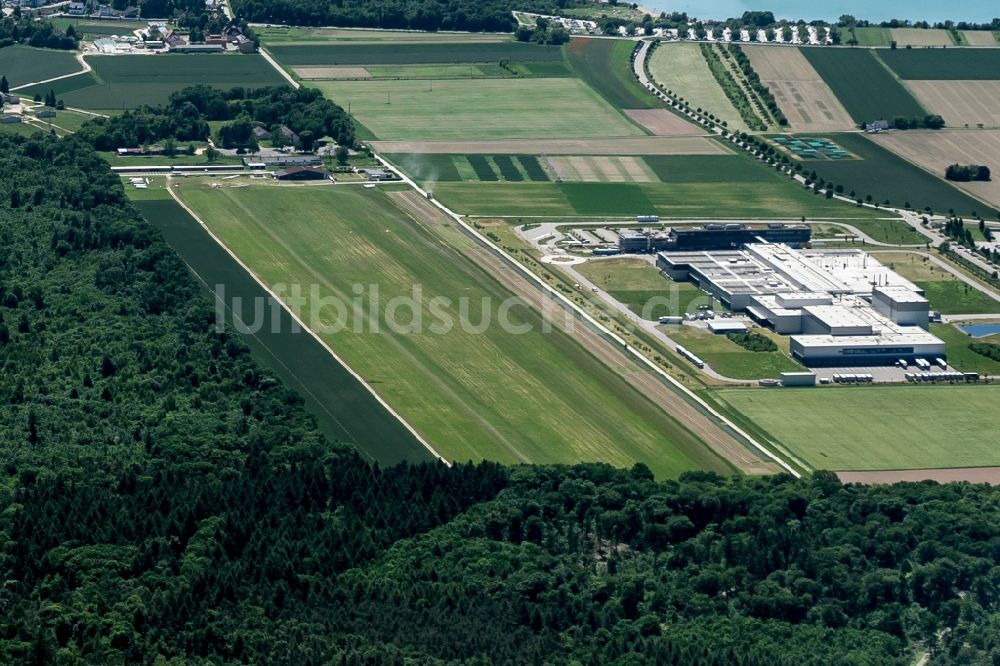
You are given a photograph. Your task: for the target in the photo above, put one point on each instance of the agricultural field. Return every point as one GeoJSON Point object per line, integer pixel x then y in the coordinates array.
{"type": "Point", "coordinates": [848, 429]}
{"type": "Point", "coordinates": [862, 84]}
{"type": "Point", "coordinates": [414, 53]}
{"type": "Point", "coordinates": [476, 109]}
{"type": "Point", "coordinates": [600, 169]}
{"type": "Point", "coordinates": [636, 282]}
{"type": "Point", "coordinates": [345, 411]}
{"type": "Point", "coordinates": [765, 200]}
{"type": "Point", "coordinates": [961, 103]}
{"type": "Point", "coordinates": [960, 356]}
{"type": "Point", "coordinates": [730, 359]}
{"type": "Point", "coordinates": [432, 168]}
{"type": "Point", "coordinates": [871, 36]}
{"type": "Point", "coordinates": [800, 91]}
{"type": "Point", "coordinates": [472, 391]}
{"type": "Point", "coordinates": [921, 37]}
{"type": "Point", "coordinates": [276, 34]}
{"type": "Point", "coordinates": [660, 145]}
{"type": "Point", "coordinates": [605, 65]}
{"type": "Point", "coordinates": [25, 64]}
{"type": "Point", "coordinates": [129, 81]}
{"type": "Point", "coordinates": [934, 151]}
{"type": "Point", "coordinates": [681, 69]}
{"type": "Point", "coordinates": [980, 38]}
{"type": "Point", "coordinates": [887, 177]}
{"type": "Point", "coordinates": [736, 168]}
{"type": "Point", "coordinates": [944, 64]}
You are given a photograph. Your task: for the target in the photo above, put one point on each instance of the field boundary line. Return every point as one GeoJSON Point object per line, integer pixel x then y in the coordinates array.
{"type": "Point", "coordinates": [281, 70]}
{"type": "Point", "coordinates": [301, 323]}
{"type": "Point", "coordinates": [589, 319]}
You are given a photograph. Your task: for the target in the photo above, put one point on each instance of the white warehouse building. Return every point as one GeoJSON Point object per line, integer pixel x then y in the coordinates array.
{"type": "Point", "coordinates": [841, 307]}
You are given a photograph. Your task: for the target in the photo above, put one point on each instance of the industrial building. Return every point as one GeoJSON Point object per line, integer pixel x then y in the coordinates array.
{"type": "Point", "coordinates": [714, 236]}
{"type": "Point", "coordinates": [301, 173]}
{"type": "Point", "coordinates": [841, 308]}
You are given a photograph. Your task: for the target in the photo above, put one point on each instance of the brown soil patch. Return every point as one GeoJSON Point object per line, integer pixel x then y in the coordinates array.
{"type": "Point", "coordinates": [960, 102]}
{"type": "Point", "coordinates": [681, 145]}
{"type": "Point", "coordinates": [980, 37]}
{"type": "Point", "coordinates": [921, 37]}
{"type": "Point", "coordinates": [664, 123]}
{"type": "Point", "coordinates": [989, 475]}
{"type": "Point", "coordinates": [332, 73]}
{"type": "Point", "coordinates": [800, 91]}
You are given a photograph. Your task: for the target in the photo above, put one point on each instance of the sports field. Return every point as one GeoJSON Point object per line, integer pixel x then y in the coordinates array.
{"type": "Point", "coordinates": [944, 64]}
{"type": "Point", "coordinates": [873, 427]}
{"type": "Point", "coordinates": [129, 81]}
{"type": "Point", "coordinates": [805, 99]}
{"type": "Point", "coordinates": [862, 84]}
{"type": "Point", "coordinates": [478, 392]}
{"type": "Point", "coordinates": [921, 37]}
{"type": "Point", "coordinates": [681, 69]}
{"type": "Point", "coordinates": [934, 151]}
{"type": "Point", "coordinates": [24, 64]}
{"type": "Point", "coordinates": [762, 199]}
{"type": "Point", "coordinates": [477, 109]}
{"type": "Point", "coordinates": [94, 29]}
{"type": "Point", "coordinates": [605, 65]}
{"type": "Point", "coordinates": [419, 53]}
{"type": "Point", "coordinates": [886, 176]}
{"type": "Point", "coordinates": [961, 103]}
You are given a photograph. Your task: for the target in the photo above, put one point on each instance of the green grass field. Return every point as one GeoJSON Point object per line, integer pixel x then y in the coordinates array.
{"type": "Point", "coordinates": [737, 168]}
{"type": "Point", "coordinates": [960, 356]}
{"type": "Point", "coordinates": [728, 358]}
{"type": "Point", "coordinates": [863, 85]}
{"type": "Point", "coordinates": [24, 64]}
{"type": "Point", "coordinates": [871, 36]}
{"type": "Point", "coordinates": [129, 81]}
{"type": "Point", "coordinates": [605, 65]}
{"type": "Point", "coordinates": [884, 175]}
{"type": "Point", "coordinates": [489, 394]}
{"type": "Point", "coordinates": [682, 69]}
{"type": "Point", "coordinates": [478, 109]}
{"type": "Point", "coordinates": [640, 286]}
{"type": "Point", "coordinates": [283, 34]}
{"type": "Point", "coordinates": [876, 428]}
{"type": "Point", "coordinates": [344, 410]}
{"type": "Point", "coordinates": [952, 296]}
{"type": "Point", "coordinates": [362, 53]}
{"type": "Point", "coordinates": [944, 64]}
{"type": "Point", "coordinates": [767, 200]}
{"type": "Point", "coordinates": [896, 232]}
{"type": "Point", "coordinates": [98, 28]}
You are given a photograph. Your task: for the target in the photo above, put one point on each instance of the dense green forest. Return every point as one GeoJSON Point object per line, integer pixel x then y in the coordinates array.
{"type": "Point", "coordinates": [186, 115]}
{"type": "Point", "coordinates": [165, 500]}
{"type": "Point", "coordinates": [471, 15]}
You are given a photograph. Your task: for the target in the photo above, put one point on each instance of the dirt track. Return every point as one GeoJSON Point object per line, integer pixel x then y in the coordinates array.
{"type": "Point", "coordinates": [989, 475]}
{"type": "Point", "coordinates": [717, 439]}
{"type": "Point", "coordinates": [674, 145]}
{"type": "Point", "coordinates": [935, 150]}
{"type": "Point", "coordinates": [807, 101]}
